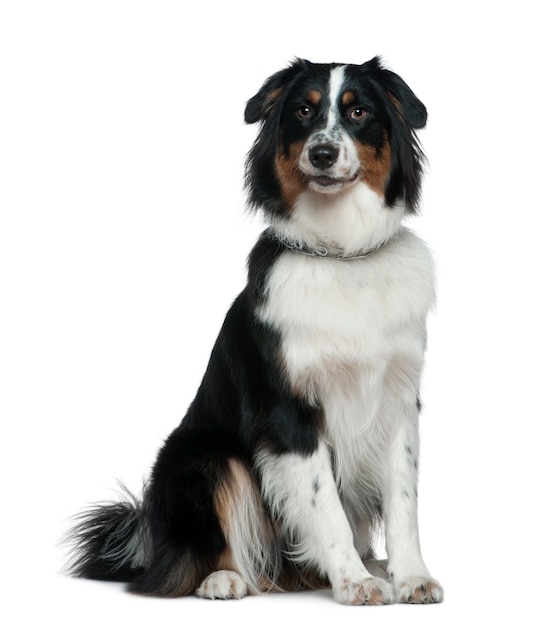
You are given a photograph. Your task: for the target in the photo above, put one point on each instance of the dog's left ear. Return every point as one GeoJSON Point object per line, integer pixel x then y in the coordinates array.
{"type": "Point", "coordinates": [408, 105]}
{"type": "Point", "coordinates": [266, 99]}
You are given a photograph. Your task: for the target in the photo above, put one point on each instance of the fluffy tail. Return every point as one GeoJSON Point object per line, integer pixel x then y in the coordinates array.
{"type": "Point", "coordinates": [110, 542]}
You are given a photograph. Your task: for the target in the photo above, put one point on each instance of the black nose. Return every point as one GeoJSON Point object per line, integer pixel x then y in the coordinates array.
{"type": "Point", "coordinates": [323, 155]}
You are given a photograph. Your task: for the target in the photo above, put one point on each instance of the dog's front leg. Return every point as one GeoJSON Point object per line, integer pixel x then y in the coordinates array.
{"type": "Point", "coordinates": [409, 573]}
{"type": "Point", "coordinates": [302, 494]}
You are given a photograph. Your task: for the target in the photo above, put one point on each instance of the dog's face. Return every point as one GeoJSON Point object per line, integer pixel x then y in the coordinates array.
{"type": "Point", "coordinates": [328, 127]}
{"type": "Point", "coordinates": [332, 135]}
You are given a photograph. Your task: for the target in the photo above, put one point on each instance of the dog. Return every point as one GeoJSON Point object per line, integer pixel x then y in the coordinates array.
{"type": "Point", "coordinates": [302, 440]}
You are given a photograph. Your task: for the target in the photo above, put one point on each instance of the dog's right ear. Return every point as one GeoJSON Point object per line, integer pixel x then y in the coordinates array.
{"type": "Point", "coordinates": [264, 102]}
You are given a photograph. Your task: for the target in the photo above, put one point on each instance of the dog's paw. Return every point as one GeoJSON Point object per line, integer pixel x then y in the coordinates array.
{"type": "Point", "coordinates": [222, 585]}
{"type": "Point", "coordinates": [367, 591]}
{"type": "Point", "coordinates": [419, 590]}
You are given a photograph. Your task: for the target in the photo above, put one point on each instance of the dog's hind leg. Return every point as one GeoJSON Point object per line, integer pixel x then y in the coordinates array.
{"type": "Point", "coordinates": [185, 536]}
{"type": "Point", "coordinates": [209, 534]}
{"type": "Point", "coordinates": [251, 559]}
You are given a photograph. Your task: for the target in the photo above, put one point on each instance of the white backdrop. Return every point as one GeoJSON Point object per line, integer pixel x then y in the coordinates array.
{"type": "Point", "coordinates": [123, 241]}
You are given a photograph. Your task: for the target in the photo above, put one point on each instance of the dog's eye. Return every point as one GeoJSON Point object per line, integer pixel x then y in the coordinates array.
{"type": "Point", "coordinates": [304, 112]}
{"type": "Point", "coordinates": [357, 113]}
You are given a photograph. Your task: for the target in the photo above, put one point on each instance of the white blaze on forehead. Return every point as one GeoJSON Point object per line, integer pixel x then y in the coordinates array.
{"type": "Point", "coordinates": [346, 166]}
{"type": "Point", "coordinates": [336, 80]}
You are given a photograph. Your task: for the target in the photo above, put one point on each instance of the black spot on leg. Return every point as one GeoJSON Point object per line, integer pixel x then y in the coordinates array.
{"type": "Point", "coordinates": [418, 404]}
{"type": "Point", "coordinates": [409, 451]}
{"type": "Point", "coordinates": [315, 487]}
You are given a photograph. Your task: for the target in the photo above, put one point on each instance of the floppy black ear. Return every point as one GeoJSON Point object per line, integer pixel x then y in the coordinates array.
{"type": "Point", "coordinates": [407, 104]}
{"type": "Point", "coordinates": [264, 102]}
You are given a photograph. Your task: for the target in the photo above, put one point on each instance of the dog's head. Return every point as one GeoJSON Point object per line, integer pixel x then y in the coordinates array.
{"type": "Point", "coordinates": [327, 127]}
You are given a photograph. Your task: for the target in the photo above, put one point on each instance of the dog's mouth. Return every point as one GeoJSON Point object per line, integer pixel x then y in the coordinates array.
{"type": "Point", "coordinates": [328, 184]}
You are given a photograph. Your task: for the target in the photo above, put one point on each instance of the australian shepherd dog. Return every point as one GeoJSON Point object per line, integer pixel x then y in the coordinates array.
{"type": "Point", "coordinates": [302, 440]}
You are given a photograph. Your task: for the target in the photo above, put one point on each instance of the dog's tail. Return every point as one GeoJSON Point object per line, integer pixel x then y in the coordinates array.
{"type": "Point", "coordinates": [110, 541]}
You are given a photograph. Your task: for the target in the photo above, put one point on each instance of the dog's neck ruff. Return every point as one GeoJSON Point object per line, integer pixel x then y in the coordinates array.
{"type": "Point", "coordinates": [322, 252]}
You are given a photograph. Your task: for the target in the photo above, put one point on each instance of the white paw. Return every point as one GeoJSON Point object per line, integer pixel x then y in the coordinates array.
{"type": "Point", "coordinates": [367, 591]}
{"type": "Point", "coordinates": [222, 585]}
{"type": "Point", "coordinates": [419, 590]}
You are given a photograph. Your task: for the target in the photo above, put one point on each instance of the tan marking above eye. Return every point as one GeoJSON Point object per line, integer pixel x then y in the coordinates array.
{"type": "Point", "coordinates": [313, 96]}
{"type": "Point", "coordinates": [348, 97]}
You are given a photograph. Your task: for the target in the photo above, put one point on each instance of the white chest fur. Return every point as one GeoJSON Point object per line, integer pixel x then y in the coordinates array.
{"type": "Point", "coordinates": [353, 334]}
